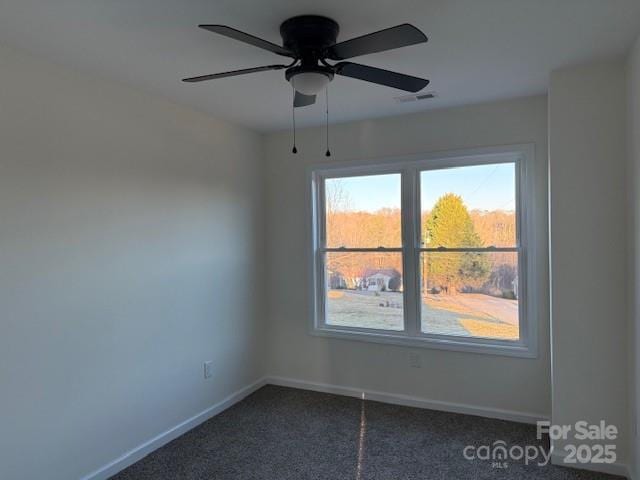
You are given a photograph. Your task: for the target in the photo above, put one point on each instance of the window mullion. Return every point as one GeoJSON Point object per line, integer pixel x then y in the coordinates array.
{"type": "Point", "coordinates": [410, 252]}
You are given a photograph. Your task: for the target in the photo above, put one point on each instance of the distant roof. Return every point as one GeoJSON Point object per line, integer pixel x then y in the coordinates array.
{"type": "Point", "coordinates": [389, 272]}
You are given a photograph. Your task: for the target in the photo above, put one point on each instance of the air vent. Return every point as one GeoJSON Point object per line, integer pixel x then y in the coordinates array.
{"type": "Point", "coordinates": [414, 97]}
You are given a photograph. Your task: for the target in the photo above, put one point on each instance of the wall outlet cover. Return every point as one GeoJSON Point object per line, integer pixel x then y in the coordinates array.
{"type": "Point", "coordinates": [208, 369]}
{"type": "Point", "coordinates": [415, 361]}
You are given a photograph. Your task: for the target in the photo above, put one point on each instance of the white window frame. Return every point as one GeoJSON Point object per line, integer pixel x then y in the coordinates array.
{"type": "Point", "coordinates": [409, 167]}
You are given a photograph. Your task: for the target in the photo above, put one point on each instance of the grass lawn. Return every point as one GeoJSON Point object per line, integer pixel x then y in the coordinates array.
{"type": "Point", "coordinates": [357, 308]}
{"type": "Point", "coordinates": [464, 314]}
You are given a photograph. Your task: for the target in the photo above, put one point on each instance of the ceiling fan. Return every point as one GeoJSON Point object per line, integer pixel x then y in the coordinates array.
{"type": "Point", "coordinates": [310, 42]}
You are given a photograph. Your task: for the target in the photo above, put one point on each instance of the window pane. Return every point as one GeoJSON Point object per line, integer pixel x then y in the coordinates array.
{"type": "Point", "coordinates": [470, 294]}
{"type": "Point", "coordinates": [365, 290]}
{"type": "Point", "coordinates": [469, 206]}
{"type": "Point", "coordinates": [363, 212]}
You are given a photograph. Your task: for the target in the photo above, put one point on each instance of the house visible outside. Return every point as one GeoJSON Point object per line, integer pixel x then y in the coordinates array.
{"type": "Point", "coordinates": [382, 280]}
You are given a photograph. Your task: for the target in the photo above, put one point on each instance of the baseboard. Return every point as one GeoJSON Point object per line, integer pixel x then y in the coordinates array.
{"type": "Point", "coordinates": [141, 451]}
{"type": "Point", "coordinates": [620, 469]}
{"type": "Point", "coordinates": [410, 401]}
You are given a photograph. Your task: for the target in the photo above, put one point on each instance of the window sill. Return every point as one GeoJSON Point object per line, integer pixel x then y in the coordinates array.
{"type": "Point", "coordinates": [462, 344]}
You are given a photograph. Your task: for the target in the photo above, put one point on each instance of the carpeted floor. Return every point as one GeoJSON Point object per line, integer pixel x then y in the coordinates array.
{"type": "Point", "coordinates": [288, 434]}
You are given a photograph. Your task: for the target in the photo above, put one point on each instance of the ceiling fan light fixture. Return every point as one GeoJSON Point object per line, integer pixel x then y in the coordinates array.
{"type": "Point", "coordinates": [310, 83]}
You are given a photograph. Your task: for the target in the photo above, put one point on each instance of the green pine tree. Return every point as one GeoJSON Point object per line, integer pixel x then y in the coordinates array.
{"type": "Point", "coordinates": [450, 225]}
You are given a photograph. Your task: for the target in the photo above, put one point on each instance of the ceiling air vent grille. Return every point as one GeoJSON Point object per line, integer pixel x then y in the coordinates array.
{"type": "Point", "coordinates": [414, 97]}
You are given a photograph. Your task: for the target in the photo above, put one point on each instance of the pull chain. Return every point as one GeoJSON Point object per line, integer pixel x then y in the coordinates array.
{"type": "Point", "coordinates": [293, 116]}
{"type": "Point", "coordinates": [326, 91]}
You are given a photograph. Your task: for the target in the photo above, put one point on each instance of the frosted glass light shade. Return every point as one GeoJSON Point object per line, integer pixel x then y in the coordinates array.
{"type": "Point", "coordinates": [309, 83]}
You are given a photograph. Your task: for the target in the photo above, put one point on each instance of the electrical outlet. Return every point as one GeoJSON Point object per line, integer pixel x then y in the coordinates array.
{"type": "Point", "coordinates": [415, 361]}
{"type": "Point", "coordinates": [208, 369]}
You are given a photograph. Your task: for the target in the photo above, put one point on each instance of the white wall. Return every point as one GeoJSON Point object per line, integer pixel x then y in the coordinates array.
{"type": "Point", "coordinates": [588, 240]}
{"type": "Point", "coordinates": [486, 381]}
{"type": "Point", "coordinates": [130, 248]}
{"type": "Point", "coordinates": [633, 200]}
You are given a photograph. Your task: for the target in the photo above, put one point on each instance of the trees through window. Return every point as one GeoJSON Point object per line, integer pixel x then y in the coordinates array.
{"type": "Point", "coordinates": [422, 251]}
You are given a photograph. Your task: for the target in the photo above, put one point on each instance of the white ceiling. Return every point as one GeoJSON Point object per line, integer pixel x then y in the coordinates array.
{"type": "Point", "coordinates": [478, 50]}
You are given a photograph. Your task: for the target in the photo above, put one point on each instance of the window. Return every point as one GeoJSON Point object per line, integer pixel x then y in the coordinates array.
{"type": "Point", "coordinates": [426, 251]}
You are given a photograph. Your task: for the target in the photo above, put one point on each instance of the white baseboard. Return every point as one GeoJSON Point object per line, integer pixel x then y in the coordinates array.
{"type": "Point", "coordinates": [557, 458]}
{"type": "Point", "coordinates": [410, 401]}
{"type": "Point", "coordinates": [141, 451]}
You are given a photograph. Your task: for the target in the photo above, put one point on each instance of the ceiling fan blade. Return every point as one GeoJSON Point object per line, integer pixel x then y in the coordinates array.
{"type": "Point", "coordinates": [247, 38]}
{"type": "Point", "coordinates": [380, 76]}
{"type": "Point", "coordinates": [232, 73]}
{"type": "Point", "coordinates": [388, 39]}
{"type": "Point", "coordinates": [302, 100]}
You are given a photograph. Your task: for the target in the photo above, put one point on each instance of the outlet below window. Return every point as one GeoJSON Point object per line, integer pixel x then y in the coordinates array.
{"type": "Point", "coordinates": [415, 361]}
{"type": "Point", "coordinates": [208, 369]}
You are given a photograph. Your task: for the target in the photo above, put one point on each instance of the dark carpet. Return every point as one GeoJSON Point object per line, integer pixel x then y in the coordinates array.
{"type": "Point", "coordinates": [288, 434]}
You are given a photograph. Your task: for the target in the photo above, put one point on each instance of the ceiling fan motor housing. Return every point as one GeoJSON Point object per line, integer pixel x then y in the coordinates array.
{"type": "Point", "coordinates": [309, 36]}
